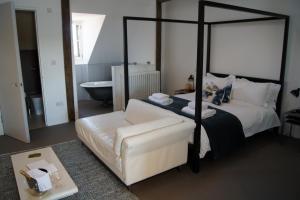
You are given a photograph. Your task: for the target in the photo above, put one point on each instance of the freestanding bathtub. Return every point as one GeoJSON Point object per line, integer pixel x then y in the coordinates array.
{"type": "Point", "coordinates": [100, 90]}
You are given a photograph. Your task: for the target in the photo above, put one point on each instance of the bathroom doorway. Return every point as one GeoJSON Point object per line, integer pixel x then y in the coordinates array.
{"type": "Point", "coordinates": [93, 78]}
{"type": "Point", "coordinates": [29, 55]}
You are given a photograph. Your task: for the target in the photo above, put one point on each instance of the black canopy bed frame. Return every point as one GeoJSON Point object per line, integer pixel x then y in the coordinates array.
{"type": "Point", "coordinates": [195, 159]}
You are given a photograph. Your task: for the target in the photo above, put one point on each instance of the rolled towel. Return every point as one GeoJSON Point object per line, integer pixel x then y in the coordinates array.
{"type": "Point", "coordinates": [163, 102]}
{"type": "Point", "coordinates": [193, 106]}
{"type": "Point", "coordinates": [205, 113]}
{"type": "Point", "coordinates": [160, 96]}
{"type": "Point", "coordinates": [208, 113]}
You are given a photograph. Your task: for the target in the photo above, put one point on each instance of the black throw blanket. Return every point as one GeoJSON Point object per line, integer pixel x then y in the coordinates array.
{"type": "Point", "coordinates": [224, 130]}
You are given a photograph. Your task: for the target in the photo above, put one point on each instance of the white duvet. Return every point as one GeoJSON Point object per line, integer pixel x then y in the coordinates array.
{"type": "Point", "coordinates": [254, 119]}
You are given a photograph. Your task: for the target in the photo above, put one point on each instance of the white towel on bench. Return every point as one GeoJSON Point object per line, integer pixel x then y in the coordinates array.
{"type": "Point", "coordinates": [160, 96]}
{"type": "Point", "coordinates": [192, 105]}
{"type": "Point", "coordinates": [205, 113]}
{"type": "Point", "coordinates": [165, 102]}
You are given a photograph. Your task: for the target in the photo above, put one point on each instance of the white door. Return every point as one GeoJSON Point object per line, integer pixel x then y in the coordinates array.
{"type": "Point", "coordinates": [12, 96]}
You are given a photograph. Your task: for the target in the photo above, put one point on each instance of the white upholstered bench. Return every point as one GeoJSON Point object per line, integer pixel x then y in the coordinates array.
{"type": "Point", "coordinates": [141, 142]}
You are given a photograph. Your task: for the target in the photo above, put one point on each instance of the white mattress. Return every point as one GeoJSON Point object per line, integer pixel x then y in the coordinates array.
{"type": "Point", "coordinates": [254, 119]}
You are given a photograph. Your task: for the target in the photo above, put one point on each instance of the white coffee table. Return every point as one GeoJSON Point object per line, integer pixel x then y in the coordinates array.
{"type": "Point", "coordinates": [62, 188]}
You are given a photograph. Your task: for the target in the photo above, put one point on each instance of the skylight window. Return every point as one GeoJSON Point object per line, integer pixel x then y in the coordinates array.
{"type": "Point", "coordinates": [77, 40]}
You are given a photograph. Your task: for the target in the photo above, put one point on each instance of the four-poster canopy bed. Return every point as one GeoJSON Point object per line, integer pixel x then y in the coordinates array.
{"type": "Point", "coordinates": [195, 160]}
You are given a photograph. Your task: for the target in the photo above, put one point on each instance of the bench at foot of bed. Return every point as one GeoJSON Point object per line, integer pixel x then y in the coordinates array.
{"type": "Point", "coordinates": [141, 142]}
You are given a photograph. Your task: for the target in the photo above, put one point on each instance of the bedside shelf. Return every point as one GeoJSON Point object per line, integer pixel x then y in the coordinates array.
{"type": "Point", "coordinates": [292, 118]}
{"type": "Point", "coordinates": [291, 121]}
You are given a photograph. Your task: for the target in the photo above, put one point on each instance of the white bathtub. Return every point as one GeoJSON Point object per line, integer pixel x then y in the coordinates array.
{"type": "Point", "coordinates": [96, 84]}
{"type": "Point", "coordinates": [100, 90]}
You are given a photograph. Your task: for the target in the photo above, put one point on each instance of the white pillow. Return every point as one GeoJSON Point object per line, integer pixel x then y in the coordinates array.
{"type": "Point", "coordinates": [272, 95]}
{"type": "Point", "coordinates": [250, 92]}
{"type": "Point", "coordinates": [219, 82]}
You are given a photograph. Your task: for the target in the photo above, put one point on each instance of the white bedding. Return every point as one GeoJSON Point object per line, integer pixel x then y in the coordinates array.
{"type": "Point", "coordinates": [254, 119]}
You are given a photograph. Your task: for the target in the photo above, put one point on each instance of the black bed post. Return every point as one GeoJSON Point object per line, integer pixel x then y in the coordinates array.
{"type": "Point", "coordinates": [208, 48]}
{"type": "Point", "coordinates": [126, 83]}
{"type": "Point", "coordinates": [283, 64]}
{"type": "Point", "coordinates": [197, 133]}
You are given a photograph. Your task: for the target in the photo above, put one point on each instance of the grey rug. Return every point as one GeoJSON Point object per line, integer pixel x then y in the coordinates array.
{"type": "Point", "coordinates": [93, 179]}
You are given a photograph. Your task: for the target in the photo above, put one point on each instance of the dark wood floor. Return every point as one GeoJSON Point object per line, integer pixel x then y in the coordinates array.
{"type": "Point", "coordinates": [88, 108]}
{"type": "Point", "coordinates": [46, 136]}
{"type": "Point", "coordinates": [263, 169]}
{"type": "Point", "coordinates": [39, 138]}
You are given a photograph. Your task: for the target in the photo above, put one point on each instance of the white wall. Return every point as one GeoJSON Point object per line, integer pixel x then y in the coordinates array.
{"type": "Point", "coordinates": [180, 46]}
{"type": "Point", "coordinates": [90, 29]}
{"type": "Point", "coordinates": [91, 25]}
{"type": "Point", "coordinates": [109, 46]}
{"type": "Point", "coordinates": [49, 28]}
{"type": "Point", "coordinates": [176, 58]}
{"type": "Point", "coordinates": [251, 49]}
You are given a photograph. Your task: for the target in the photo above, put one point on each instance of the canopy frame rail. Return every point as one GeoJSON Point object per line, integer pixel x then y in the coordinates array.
{"type": "Point", "coordinates": [195, 162]}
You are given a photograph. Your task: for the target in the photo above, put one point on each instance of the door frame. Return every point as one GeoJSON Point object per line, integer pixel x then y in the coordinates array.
{"type": "Point", "coordinates": [34, 10]}
{"type": "Point", "coordinates": [74, 78]}
{"type": "Point", "coordinates": [68, 58]}
{"type": "Point", "coordinates": [75, 95]}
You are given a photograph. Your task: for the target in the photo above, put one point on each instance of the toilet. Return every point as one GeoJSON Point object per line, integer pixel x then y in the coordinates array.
{"type": "Point", "coordinates": [36, 104]}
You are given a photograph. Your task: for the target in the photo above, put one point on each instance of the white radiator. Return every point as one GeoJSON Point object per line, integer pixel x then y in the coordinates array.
{"type": "Point", "coordinates": [142, 83]}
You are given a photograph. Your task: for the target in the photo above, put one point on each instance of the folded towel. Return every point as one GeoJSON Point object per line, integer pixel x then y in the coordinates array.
{"type": "Point", "coordinates": [193, 106]}
{"type": "Point", "coordinates": [188, 110]}
{"type": "Point", "coordinates": [205, 113]}
{"type": "Point", "coordinates": [160, 96]}
{"type": "Point", "coordinates": [163, 102]}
